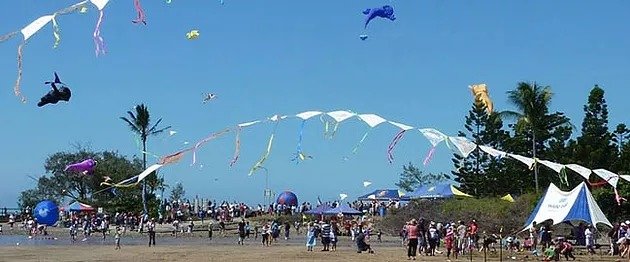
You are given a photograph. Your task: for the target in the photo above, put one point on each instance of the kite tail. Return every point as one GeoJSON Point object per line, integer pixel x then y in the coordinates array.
{"type": "Point", "coordinates": [262, 160]}
{"type": "Point", "coordinates": [56, 33]}
{"type": "Point", "coordinates": [356, 147]}
{"type": "Point", "coordinates": [392, 145]}
{"type": "Point", "coordinates": [429, 156]}
{"type": "Point", "coordinates": [98, 39]}
{"type": "Point", "coordinates": [141, 17]}
{"type": "Point", "coordinates": [618, 197]}
{"type": "Point", "coordinates": [205, 140]}
{"type": "Point", "coordinates": [237, 147]}
{"type": "Point", "coordinates": [16, 89]}
{"type": "Point", "coordinates": [298, 154]}
{"type": "Point", "coordinates": [367, 11]}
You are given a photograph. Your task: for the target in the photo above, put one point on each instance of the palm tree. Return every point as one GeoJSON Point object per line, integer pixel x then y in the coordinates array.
{"type": "Point", "coordinates": [532, 102]}
{"type": "Point", "coordinates": [140, 123]}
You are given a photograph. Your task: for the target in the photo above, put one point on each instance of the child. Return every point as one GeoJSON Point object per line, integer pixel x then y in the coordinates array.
{"type": "Point", "coordinates": [117, 237]}
{"type": "Point", "coordinates": [528, 244]}
{"type": "Point", "coordinates": [378, 236]}
{"type": "Point", "coordinates": [566, 249]}
{"type": "Point", "coordinates": [0, 229]}
{"type": "Point", "coordinates": [73, 232]}
{"type": "Point", "coordinates": [311, 239]}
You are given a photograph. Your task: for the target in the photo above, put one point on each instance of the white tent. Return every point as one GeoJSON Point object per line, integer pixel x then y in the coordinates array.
{"type": "Point", "coordinates": [560, 206]}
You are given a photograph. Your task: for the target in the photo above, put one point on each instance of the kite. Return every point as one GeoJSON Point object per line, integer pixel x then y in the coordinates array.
{"type": "Point", "coordinates": [192, 35]}
{"type": "Point", "coordinates": [363, 37]}
{"type": "Point", "coordinates": [209, 96]}
{"type": "Point", "coordinates": [171, 133]}
{"type": "Point", "coordinates": [85, 167]}
{"type": "Point", "coordinates": [384, 12]}
{"type": "Point", "coordinates": [56, 94]}
{"type": "Point", "coordinates": [366, 183]}
{"type": "Point", "coordinates": [480, 92]}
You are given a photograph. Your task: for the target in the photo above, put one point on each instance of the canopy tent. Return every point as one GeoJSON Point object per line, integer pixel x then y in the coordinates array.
{"type": "Point", "coordinates": [437, 191]}
{"type": "Point", "coordinates": [343, 209]}
{"type": "Point", "coordinates": [78, 207]}
{"type": "Point", "coordinates": [560, 206]}
{"type": "Point", "coordinates": [384, 195]}
{"type": "Point", "coordinates": [321, 209]}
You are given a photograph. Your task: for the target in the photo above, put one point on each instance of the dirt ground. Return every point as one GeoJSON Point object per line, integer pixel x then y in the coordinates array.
{"type": "Point", "coordinates": [218, 253]}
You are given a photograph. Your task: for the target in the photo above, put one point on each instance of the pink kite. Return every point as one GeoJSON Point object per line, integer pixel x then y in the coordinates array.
{"type": "Point", "coordinates": [86, 167]}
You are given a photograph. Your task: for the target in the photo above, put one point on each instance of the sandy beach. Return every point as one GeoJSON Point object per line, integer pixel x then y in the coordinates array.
{"type": "Point", "coordinates": [199, 248]}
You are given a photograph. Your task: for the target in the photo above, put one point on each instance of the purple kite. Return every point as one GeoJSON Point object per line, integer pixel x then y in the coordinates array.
{"type": "Point", "coordinates": [383, 12]}
{"type": "Point", "coordinates": [86, 167]}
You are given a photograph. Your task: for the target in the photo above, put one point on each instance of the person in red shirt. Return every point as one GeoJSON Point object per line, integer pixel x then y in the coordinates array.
{"type": "Point", "coordinates": [567, 250]}
{"type": "Point", "coordinates": [412, 236]}
{"type": "Point", "coordinates": [448, 241]}
{"type": "Point", "coordinates": [472, 230]}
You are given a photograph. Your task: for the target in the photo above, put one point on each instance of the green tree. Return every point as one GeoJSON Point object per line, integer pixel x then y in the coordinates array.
{"type": "Point", "coordinates": [178, 192]}
{"type": "Point", "coordinates": [59, 186]}
{"type": "Point", "coordinates": [594, 148]}
{"type": "Point", "coordinates": [140, 123]}
{"type": "Point", "coordinates": [412, 177]}
{"type": "Point", "coordinates": [534, 123]}
{"type": "Point", "coordinates": [480, 173]}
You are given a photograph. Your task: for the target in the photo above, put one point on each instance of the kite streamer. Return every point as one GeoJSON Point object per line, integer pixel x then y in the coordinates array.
{"type": "Point", "coordinates": [429, 156]}
{"type": "Point", "coordinates": [56, 33]}
{"type": "Point", "coordinates": [205, 140]}
{"type": "Point", "coordinates": [237, 148]}
{"type": "Point", "coordinates": [390, 148]}
{"type": "Point", "coordinates": [299, 155]}
{"type": "Point", "coordinates": [262, 160]}
{"type": "Point", "coordinates": [618, 197]}
{"type": "Point", "coordinates": [141, 17]}
{"type": "Point", "coordinates": [16, 89]}
{"type": "Point", "coordinates": [98, 39]}
{"type": "Point", "coordinates": [356, 147]}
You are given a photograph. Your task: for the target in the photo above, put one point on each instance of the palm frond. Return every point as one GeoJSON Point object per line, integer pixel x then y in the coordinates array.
{"type": "Point", "coordinates": [154, 126]}
{"type": "Point", "coordinates": [132, 125]}
{"type": "Point", "coordinates": [160, 131]}
{"type": "Point", "coordinates": [510, 115]}
{"type": "Point", "coordinates": [132, 116]}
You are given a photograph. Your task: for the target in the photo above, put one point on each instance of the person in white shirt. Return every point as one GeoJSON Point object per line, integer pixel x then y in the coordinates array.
{"type": "Point", "coordinates": [590, 240]}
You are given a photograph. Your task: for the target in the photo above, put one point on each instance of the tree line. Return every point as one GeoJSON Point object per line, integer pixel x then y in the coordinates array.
{"type": "Point", "coordinates": [533, 129]}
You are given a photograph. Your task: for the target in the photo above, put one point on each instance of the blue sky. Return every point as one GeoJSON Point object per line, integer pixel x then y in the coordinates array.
{"type": "Point", "coordinates": [285, 57]}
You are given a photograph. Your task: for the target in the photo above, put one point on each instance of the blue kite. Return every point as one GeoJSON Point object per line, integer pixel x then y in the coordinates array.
{"type": "Point", "coordinates": [384, 12]}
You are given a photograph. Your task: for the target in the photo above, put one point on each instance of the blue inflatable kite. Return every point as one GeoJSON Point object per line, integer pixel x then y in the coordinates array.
{"type": "Point", "coordinates": [383, 12]}
{"type": "Point", "coordinates": [46, 213]}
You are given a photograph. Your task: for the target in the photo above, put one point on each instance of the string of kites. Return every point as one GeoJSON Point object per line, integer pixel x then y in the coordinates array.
{"type": "Point", "coordinates": [332, 121]}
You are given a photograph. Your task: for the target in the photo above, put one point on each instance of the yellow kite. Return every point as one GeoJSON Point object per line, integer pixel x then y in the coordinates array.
{"type": "Point", "coordinates": [480, 92]}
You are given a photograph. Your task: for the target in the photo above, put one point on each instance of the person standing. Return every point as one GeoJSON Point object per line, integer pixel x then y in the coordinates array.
{"type": "Point", "coordinates": [310, 237]}
{"type": "Point", "coordinates": [151, 230]}
{"type": "Point", "coordinates": [117, 237]}
{"type": "Point", "coordinates": [210, 226]}
{"type": "Point", "coordinates": [287, 230]}
{"type": "Point", "coordinates": [412, 239]}
{"type": "Point", "coordinates": [241, 231]}
{"type": "Point", "coordinates": [326, 235]}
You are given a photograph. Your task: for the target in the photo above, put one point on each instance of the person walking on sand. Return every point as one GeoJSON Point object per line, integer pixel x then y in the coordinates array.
{"type": "Point", "coordinates": [241, 231]}
{"type": "Point", "coordinates": [117, 237]}
{"type": "Point", "coordinates": [151, 230]}
{"type": "Point", "coordinates": [412, 237]}
{"type": "Point", "coordinates": [310, 237]}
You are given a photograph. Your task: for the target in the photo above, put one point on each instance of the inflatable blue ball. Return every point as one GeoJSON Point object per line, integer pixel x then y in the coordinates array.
{"type": "Point", "coordinates": [287, 198]}
{"type": "Point", "coordinates": [46, 213]}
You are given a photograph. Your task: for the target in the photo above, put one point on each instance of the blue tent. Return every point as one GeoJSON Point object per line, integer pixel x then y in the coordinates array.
{"type": "Point", "coordinates": [560, 206]}
{"type": "Point", "coordinates": [446, 190]}
{"type": "Point", "coordinates": [321, 209]}
{"type": "Point", "coordinates": [343, 209]}
{"type": "Point", "coordinates": [383, 195]}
